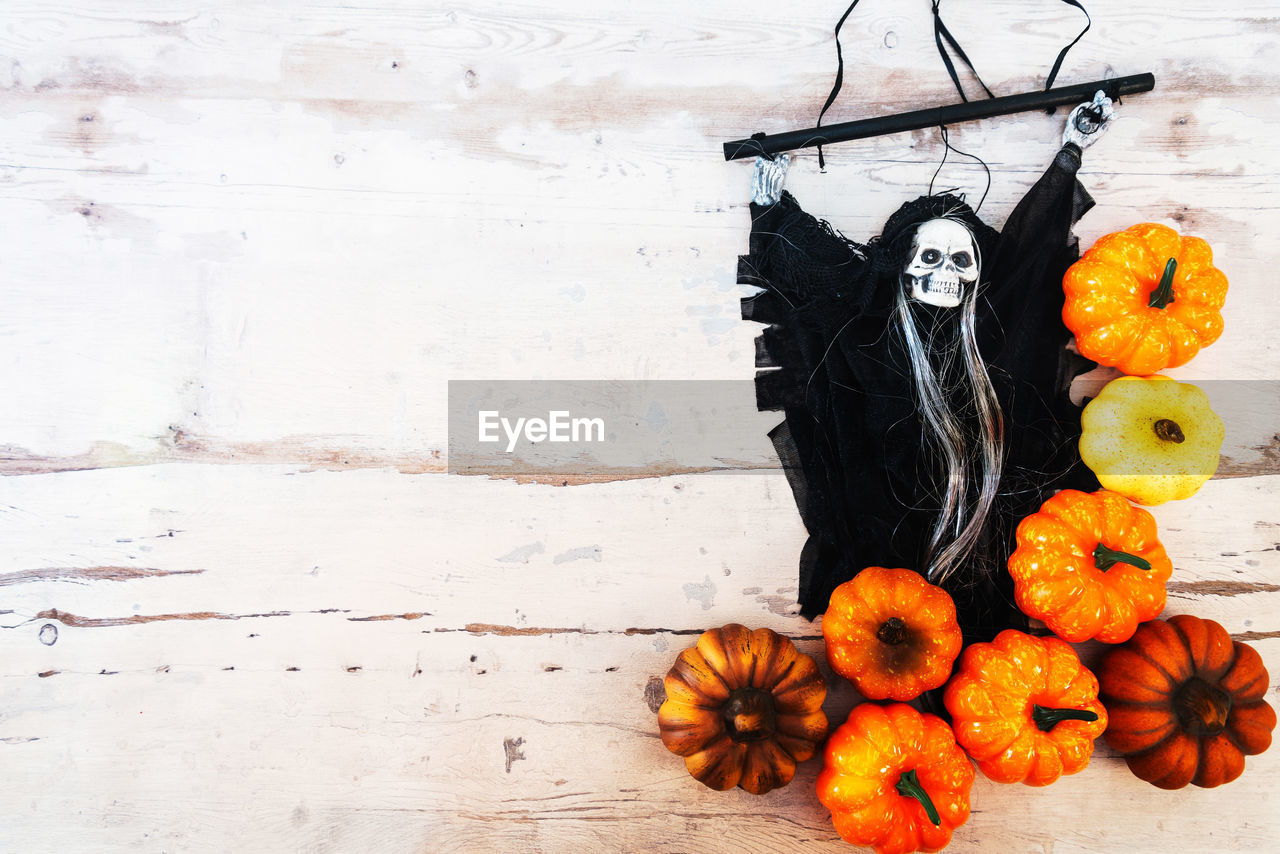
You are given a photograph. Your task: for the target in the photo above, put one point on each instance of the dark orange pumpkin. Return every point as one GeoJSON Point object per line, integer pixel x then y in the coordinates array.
{"type": "Point", "coordinates": [891, 633]}
{"type": "Point", "coordinates": [1184, 703]}
{"type": "Point", "coordinates": [742, 708]}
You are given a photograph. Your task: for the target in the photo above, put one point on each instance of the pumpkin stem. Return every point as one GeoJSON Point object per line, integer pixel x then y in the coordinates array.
{"type": "Point", "coordinates": [1202, 708]}
{"type": "Point", "coordinates": [1163, 294]}
{"type": "Point", "coordinates": [1046, 719]}
{"type": "Point", "coordinates": [749, 715]}
{"type": "Point", "coordinates": [909, 787]}
{"type": "Point", "coordinates": [893, 631]}
{"type": "Point", "coordinates": [1169, 431]}
{"type": "Point", "coordinates": [1104, 558]}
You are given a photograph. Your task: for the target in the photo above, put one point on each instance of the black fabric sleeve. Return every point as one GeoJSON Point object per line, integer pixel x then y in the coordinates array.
{"type": "Point", "coordinates": [1037, 238]}
{"type": "Point", "coordinates": [803, 268]}
{"type": "Point", "coordinates": [1029, 363]}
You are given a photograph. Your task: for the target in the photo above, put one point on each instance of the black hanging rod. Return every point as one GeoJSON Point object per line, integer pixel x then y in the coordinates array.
{"type": "Point", "coordinates": [932, 117]}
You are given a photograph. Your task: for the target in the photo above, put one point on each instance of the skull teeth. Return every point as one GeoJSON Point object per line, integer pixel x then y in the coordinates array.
{"type": "Point", "coordinates": [937, 290]}
{"type": "Point", "coordinates": [941, 286]}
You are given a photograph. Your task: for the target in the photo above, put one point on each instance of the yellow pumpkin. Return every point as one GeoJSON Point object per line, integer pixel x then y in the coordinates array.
{"type": "Point", "coordinates": [1151, 439]}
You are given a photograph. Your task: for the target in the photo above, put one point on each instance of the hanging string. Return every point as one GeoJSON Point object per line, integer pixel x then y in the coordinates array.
{"type": "Point", "coordinates": [835, 88]}
{"type": "Point", "coordinates": [947, 150]}
{"type": "Point", "coordinates": [941, 33]}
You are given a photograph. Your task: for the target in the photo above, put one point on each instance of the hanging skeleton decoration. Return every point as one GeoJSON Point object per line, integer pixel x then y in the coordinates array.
{"type": "Point", "coordinates": [923, 376]}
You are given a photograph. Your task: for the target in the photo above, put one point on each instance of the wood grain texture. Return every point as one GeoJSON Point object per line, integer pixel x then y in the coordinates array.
{"type": "Point", "coordinates": [243, 605]}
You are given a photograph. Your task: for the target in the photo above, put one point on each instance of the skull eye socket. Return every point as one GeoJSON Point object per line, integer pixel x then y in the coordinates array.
{"type": "Point", "coordinates": [931, 256]}
{"type": "Point", "coordinates": [962, 260]}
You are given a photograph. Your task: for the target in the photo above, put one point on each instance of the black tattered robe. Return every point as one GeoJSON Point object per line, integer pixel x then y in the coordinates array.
{"type": "Point", "coordinates": [851, 443]}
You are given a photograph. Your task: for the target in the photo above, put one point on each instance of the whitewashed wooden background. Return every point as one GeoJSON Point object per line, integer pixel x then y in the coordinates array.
{"type": "Point", "coordinates": [245, 246]}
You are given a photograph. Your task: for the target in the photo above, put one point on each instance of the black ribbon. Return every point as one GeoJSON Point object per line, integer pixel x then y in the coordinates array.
{"type": "Point", "coordinates": [1062, 54]}
{"type": "Point", "coordinates": [941, 33]}
{"type": "Point", "coordinates": [835, 88]}
{"type": "Point", "coordinates": [943, 38]}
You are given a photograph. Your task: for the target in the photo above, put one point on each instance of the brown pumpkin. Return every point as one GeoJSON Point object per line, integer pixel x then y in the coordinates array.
{"type": "Point", "coordinates": [742, 708]}
{"type": "Point", "coordinates": [1184, 703]}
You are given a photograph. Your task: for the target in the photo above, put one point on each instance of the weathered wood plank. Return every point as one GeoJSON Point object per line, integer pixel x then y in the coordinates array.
{"type": "Point", "coordinates": [215, 548]}
{"type": "Point", "coordinates": [455, 742]}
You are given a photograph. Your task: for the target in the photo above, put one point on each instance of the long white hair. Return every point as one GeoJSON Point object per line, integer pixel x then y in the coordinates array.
{"type": "Point", "coordinates": [970, 443]}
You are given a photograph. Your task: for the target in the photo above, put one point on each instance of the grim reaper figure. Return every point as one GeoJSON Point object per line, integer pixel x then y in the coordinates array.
{"type": "Point", "coordinates": [924, 379]}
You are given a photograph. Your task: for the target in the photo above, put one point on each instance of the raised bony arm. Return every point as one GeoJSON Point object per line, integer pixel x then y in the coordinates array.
{"type": "Point", "coordinates": [1088, 121]}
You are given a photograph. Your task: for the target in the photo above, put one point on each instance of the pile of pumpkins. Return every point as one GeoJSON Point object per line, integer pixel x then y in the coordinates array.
{"type": "Point", "coordinates": [1178, 698]}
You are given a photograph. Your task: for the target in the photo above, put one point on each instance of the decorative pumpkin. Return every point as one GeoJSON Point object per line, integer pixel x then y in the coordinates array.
{"type": "Point", "coordinates": [1144, 299]}
{"type": "Point", "coordinates": [890, 632]}
{"type": "Point", "coordinates": [895, 779]}
{"type": "Point", "coordinates": [1151, 439]}
{"type": "Point", "coordinates": [1025, 708]}
{"type": "Point", "coordinates": [742, 708]}
{"type": "Point", "coordinates": [1089, 565]}
{"type": "Point", "coordinates": [1186, 703]}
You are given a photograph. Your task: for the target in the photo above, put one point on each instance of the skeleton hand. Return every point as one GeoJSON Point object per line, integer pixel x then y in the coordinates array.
{"type": "Point", "coordinates": [1088, 121]}
{"type": "Point", "coordinates": [769, 178]}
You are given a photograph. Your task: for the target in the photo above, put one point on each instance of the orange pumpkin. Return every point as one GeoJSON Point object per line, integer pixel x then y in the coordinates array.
{"type": "Point", "coordinates": [895, 780]}
{"type": "Point", "coordinates": [742, 708]}
{"type": "Point", "coordinates": [891, 633]}
{"type": "Point", "coordinates": [1090, 566]}
{"type": "Point", "coordinates": [1185, 703]}
{"type": "Point", "coordinates": [1144, 299]}
{"type": "Point", "coordinates": [1025, 708]}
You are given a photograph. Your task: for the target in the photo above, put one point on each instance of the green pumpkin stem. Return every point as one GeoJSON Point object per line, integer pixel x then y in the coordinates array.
{"type": "Point", "coordinates": [909, 787]}
{"type": "Point", "coordinates": [1104, 558]}
{"type": "Point", "coordinates": [1163, 294]}
{"type": "Point", "coordinates": [1046, 719]}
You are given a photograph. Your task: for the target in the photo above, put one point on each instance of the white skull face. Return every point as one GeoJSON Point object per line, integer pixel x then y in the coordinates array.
{"type": "Point", "coordinates": [943, 259]}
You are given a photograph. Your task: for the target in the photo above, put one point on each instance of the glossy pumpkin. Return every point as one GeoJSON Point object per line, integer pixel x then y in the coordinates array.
{"type": "Point", "coordinates": [1144, 299]}
{"type": "Point", "coordinates": [890, 632]}
{"type": "Point", "coordinates": [895, 779]}
{"type": "Point", "coordinates": [1151, 439]}
{"type": "Point", "coordinates": [1025, 708]}
{"type": "Point", "coordinates": [1185, 703]}
{"type": "Point", "coordinates": [1089, 565]}
{"type": "Point", "coordinates": [742, 708]}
